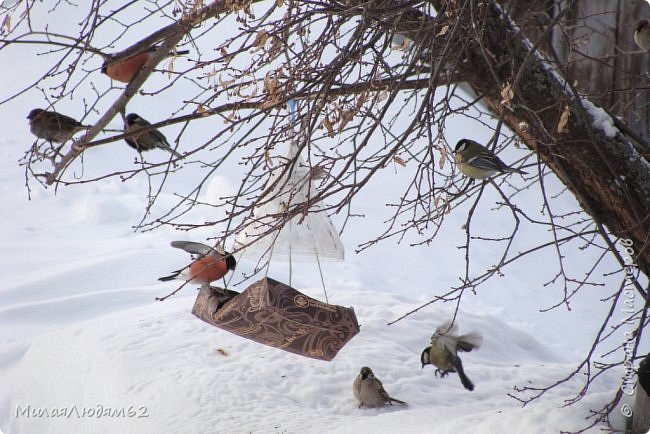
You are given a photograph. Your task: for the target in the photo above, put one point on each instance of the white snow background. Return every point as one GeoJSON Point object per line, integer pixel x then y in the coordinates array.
{"type": "Point", "coordinates": [80, 329]}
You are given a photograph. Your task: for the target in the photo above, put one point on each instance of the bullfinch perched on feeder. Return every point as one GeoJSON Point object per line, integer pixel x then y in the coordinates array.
{"type": "Point", "coordinates": [370, 392]}
{"type": "Point", "coordinates": [210, 264]}
{"type": "Point", "coordinates": [476, 161]}
{"type": "Point", "coordinates": [147, 140]}
{"type": "Point", "coordinates": [125, 70]}
{"type": "Point", "coordinates": [443, 352]}
{"type": "Point", "coordinates": [642, 34]}
{"type": "Point", "coordinates": [52, 126]}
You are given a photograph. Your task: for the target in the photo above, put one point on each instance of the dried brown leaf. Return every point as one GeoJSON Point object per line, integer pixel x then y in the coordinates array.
{"type": "Point", "coordinates": [443, 31]}
{"type": "Point", "coordinates": [443, 158]}
{"type": "Point", "coordinates": [563, 124]}
{"type": "Point", "coordinates": [267, 157]}
{"type": "Point", "coordinates": [362, 100]}
{"type": "Point", "coordinates": [507, 94]}
{"type": "Point", "coordinates": [229, 118]}
{"type": "Point", "coordinates": [6, 24]}
{"type": "Point", "coordinates": [260, 39]}
{"type": "Point", "coordinates": [346, 116]}
{"type": "Point", "coordinates": [202, 110]}
{"type": "Point", "coordinates": [328, 126]}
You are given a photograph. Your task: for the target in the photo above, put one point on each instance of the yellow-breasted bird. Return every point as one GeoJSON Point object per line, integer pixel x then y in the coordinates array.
{"type": "Point", "coordinates": [476, 161]}
{"type": "Point", "coordinates": [443, 351]}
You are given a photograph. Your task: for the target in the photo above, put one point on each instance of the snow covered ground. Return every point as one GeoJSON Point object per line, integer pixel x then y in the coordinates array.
{"type": "Point", "coordinates": [81, 332]}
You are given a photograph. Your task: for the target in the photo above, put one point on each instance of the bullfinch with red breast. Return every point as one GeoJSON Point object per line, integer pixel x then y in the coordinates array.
{"type": "Point", "coordinates": [210, 264]}
{"type": "Point", "coordinates": [125, 70]}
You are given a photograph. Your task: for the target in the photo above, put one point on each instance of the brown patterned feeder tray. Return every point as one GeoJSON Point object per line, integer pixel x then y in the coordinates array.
{"type": "Point", "coordinates": [274, 314]}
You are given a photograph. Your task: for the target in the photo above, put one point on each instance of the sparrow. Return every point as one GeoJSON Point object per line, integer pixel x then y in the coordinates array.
{"type": "Point", "coordinates": [125, 70]}
{"type": "Point", "coordinates": [370, 392]}
{"type": "Point", "coordinates": [211, 264]}
{"type": "Point", "coordinates": [148, 140]}
{"type": "Point", "coordinates": [445, 344]}
{"type": "Point", "coordinates": [476, 161]}
{"type": "Point", "coordinates": [52, 126]}
{"type": "Point", "coordinates": [642, 34]}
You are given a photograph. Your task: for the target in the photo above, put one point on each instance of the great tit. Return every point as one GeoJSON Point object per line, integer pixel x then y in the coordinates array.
{"type": "Point", "coordinates": [148, 140]}
{"type": "Point", "coordinates": [478, 162]}
{"type": "Point", "coordinates": [445, 344]}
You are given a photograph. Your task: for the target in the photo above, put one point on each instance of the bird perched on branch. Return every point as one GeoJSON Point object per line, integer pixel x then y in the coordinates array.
{"type": "Point", "coordinates": [445, 344]}
{"type": "Point", "coordinates": [642, 34]}
{"type": "Point", "coordinates": [210, 264]}
{"type": "Point", "coordinates": [148, 140]}
{"type": "Point", "coordinates": [478, 162]}
{"type": "Point", "coordinates": [370, 392]}
{"type": "Point", "coordinates": [52, 126]}
{"type": "Point", "coordinates": [125, 70]}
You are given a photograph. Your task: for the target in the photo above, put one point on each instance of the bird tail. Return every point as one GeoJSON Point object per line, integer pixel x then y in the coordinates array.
{"type": "Point", "coordinates": [469, 341]}
{"type": "Point", "coordinates": [391, 400]}
{"type": "Point", "coordinates": [172, 276]}
{"type": "Point", "coordinates": [467, 383]}
{"type": "Point", "coordinates": [168, 148]}
{"type": "Point", "coordinates": [515, 170]}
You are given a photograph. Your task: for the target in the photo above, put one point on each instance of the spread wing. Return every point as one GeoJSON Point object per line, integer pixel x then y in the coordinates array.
{"type": "Point", "coordinates": [194, 247]}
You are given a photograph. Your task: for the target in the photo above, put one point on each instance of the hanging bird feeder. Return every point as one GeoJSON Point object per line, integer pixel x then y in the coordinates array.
{"type": "Point", "coordinates": [271, 312]}
{"type": "Point", "coordinates": [274, 314]}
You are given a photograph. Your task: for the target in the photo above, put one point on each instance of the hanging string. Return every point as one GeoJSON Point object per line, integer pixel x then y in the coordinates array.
{"type": "Point", "coordinates": [290, 260]}
{"type": "Point", "coordinates": [268, 264]}
{"type": "Point", "coordinates": [322, 279]}
{"type": "Point", "coordinates": [292, 112]}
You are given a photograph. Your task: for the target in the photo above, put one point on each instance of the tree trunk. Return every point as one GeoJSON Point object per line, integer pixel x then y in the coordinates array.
{"type": "Point", "coordinates": [596, 44]}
